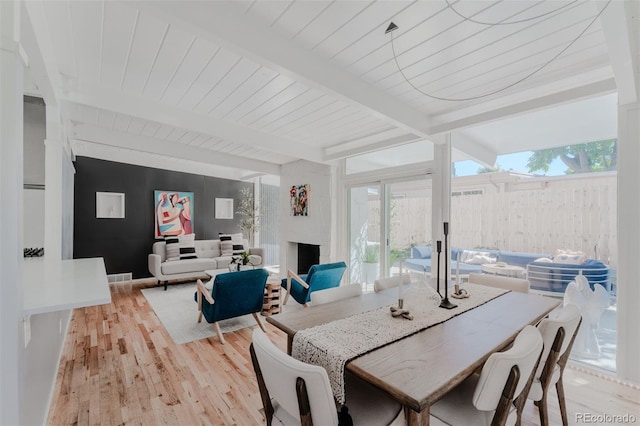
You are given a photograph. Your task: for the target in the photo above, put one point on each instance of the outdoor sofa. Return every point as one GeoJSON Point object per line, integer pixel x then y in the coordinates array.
{"type": "Point", "coordinates": [542, 272]}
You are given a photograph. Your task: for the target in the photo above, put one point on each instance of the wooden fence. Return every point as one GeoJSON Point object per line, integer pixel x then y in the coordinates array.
{"type": "Point", "coordinates": [508, 211]}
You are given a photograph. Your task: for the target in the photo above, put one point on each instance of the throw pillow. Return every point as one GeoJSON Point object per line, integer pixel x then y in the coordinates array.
{"type": "Point", "coordinates": [570, 259]}
{"type": "Point", "coordinates": [543, 260]}
{"type": "Point", "coordinates": [479, 259]}
{"type": "Point", "coordinates": [238, 248]}
{"type": "Point", "coordinates": [226, 248]}
{"type": "Point", "coordinates": [173, 247]}
{"type": "Point", "coordinates": [187, 246]}
{"type": "Point", "coordinates": [236, 238]}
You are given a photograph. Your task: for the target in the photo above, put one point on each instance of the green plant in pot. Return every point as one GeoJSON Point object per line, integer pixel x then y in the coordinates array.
{"type": "Point", "coordinates": [371, 254]}
{"type": "Point", "coordinates": [371, 263]}
{"type": "Point", "coordinates": [240, 260]}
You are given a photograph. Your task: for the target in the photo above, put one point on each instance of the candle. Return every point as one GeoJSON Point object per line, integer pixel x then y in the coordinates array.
{"type": "Point", "coordinates": [400, 286]}
{"type": "Point", "coordinates": [458, 269]}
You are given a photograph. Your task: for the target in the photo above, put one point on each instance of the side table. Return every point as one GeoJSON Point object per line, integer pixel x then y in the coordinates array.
{"type": "Point", "coordinates": [271, 303]}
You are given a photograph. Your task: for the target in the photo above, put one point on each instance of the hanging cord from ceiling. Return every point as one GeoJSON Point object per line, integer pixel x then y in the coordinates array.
{"type": "Point", "coordinates": [392, 27]}
{"type": "Point", "coordinates": [475, 21]}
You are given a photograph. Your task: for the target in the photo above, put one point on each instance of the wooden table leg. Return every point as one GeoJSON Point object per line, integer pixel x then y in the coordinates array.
{"type": "Point", "coordinates": [289, 344]}
{"type": "Point", "coordinates": [416, 419]}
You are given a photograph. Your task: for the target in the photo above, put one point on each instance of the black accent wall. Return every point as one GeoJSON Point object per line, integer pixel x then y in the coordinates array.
{"type": "Point", "coordinates": [126, 243]}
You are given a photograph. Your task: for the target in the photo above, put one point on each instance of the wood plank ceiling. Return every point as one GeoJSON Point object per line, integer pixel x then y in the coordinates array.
{"type": "Point", "coordinates": [257, 84]}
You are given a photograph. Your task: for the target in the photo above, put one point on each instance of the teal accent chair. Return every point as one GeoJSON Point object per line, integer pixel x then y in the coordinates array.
{"type": "Point", "coordinates": [233, 294]}
{"type": "Point", "coordinates": [320, 277]}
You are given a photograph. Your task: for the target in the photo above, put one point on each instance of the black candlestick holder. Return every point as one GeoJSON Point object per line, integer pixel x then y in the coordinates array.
{"type": "Point", "coordinates": [438, 249]}
{"type": "Point", "coordinates": [446, 304]}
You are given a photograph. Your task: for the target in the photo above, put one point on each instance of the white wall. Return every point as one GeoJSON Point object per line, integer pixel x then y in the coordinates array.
{"type": "Point", "coordinates": [33, 208]}
{"type": "Point", "coordinates": [11, 174]}
{"type": "Point", "coordinates": [316, 228]}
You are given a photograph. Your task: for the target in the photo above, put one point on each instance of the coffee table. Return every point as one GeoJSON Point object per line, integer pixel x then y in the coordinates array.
{"type": "Point", "coordinates": [505, 270]}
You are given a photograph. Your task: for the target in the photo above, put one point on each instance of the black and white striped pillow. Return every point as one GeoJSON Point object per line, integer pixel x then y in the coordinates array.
{"type": "Point", "coordinates": [226, 248]}
{"type": "Point", "coordinates": [173, 247]}
{"type": "Point", "coordinates": [236, 247]}
{"type": "Point", "coordinates": [187, 246]}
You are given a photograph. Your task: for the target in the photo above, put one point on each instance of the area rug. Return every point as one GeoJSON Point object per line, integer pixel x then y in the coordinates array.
{"type": "Point", "coordinates": [178, 312]}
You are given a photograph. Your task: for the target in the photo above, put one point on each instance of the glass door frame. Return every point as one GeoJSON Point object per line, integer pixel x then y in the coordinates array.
{"type": "Point", "coordinates": [384, 208]}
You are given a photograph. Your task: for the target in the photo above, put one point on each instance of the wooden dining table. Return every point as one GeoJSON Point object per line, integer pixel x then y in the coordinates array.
{"type": "Point", "coordinates": [419, 369]}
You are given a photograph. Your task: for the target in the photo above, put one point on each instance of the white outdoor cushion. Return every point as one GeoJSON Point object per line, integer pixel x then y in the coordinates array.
{"type": "Point", "coordinates": [571, 259]}
{"type": "Point", "coordinates": [480, 259]}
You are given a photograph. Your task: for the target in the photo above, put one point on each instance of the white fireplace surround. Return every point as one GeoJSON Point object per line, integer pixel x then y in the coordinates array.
{"type": "Point", "coordinates": [317, 228]}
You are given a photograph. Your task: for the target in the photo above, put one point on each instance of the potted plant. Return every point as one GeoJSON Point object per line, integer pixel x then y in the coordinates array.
{"type": "Point", "coordinates": [371, 263]}
{"type": "Point", "coordinates": [240, 260]}
{"type": "Point", "coordinates": [250, 212]}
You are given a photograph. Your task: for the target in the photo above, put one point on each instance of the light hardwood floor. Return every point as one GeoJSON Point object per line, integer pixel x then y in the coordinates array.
{"type": "Point", "coordinates": [119, 366]}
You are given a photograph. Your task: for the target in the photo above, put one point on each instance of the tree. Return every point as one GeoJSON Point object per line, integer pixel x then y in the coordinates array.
{"type": "Point", "coordinates": [250, 221]}
{"type": "Point", "coordinates": [596, 156]}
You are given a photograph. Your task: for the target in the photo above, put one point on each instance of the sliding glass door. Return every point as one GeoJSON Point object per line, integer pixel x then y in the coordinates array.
{"type": "Point", "coordinates": [386, 219]}
{"type": "Point", "coordinates": [364, 234]}
{"type": "Point", "coordinates": [409, 220]}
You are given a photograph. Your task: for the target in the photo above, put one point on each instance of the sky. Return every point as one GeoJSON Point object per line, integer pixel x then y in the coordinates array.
{"type": "Point", "coordinates": [516, 162]}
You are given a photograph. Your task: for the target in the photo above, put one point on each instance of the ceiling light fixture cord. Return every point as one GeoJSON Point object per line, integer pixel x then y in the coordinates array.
{"type": "Point", "coordinates": [466, 18]}
{"type": "Point", "coordinates": [393, 27]}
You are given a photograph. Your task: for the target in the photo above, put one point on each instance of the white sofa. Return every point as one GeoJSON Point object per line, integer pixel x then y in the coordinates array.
{"type": "Point", "coordinates": [209, 257]}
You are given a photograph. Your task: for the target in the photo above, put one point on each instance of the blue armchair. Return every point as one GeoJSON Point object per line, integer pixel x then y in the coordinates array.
{"type": "Point", "coordinates": [320, 277]}
{"type": "Point", "coordinates": [233, 294]}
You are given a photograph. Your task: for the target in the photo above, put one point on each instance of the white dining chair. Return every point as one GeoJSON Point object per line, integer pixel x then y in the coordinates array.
{"type": "Point", "coordinates": [384, 283]}
{"type": "Point", "coordinates": [558, 332]}
{"type": "Point", "coordinates": [336, 293]}
{"type": "Point", "coordinates": [295, 393]}
{"type": "Point", "coordinates": [510, 283]}
{"type": "Point", "coordinates": [489, 398]}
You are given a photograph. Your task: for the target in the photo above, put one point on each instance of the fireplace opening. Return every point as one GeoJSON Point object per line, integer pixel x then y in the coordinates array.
{"type": "Point", "coordinates": [308, 255]}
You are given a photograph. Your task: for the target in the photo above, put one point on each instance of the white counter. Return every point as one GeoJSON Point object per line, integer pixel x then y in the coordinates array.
{"type": "Point", "coordinates": [51, 286]}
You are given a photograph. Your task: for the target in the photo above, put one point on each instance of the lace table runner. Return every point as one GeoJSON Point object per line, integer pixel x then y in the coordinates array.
{"type": "Point", "coordinates": [331, 345]}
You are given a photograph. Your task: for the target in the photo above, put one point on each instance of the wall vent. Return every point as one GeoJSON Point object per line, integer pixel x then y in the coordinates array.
{"type": "Point", "coordinates": [119, 278]}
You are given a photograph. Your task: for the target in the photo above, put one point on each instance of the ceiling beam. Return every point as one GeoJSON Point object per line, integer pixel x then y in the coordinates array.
{"type": "Point", "coordinates": [250, 37]}
{"type": "Point", "coordinates": [471, 147]}
{"type": "Point", "coordinates": [150, 145]}
{"type": "Point", "coordinates": [364, 142]}
{"type": "Point", "coordinates": [37, 44]}
{"type": "Point", "coordinates": [350, 151]}
{"type": "Point", "coordinates": [617, 34]}
{"type": "Point", "coordinates": [558, 98]}
{"type": "Point", "coordinates": [113, 100]}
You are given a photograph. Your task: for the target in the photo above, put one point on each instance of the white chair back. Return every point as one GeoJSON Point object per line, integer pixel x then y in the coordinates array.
{"type": "Point", "coordinates": [515, 284]}
{"type": "Point", "coordinates": [524, 353]}
{"type": "Point", "coordinates": [280, 373]}
{"type": "Point", "coordinates": [384, 283]}
{"type": "Point", "coordinates": [568, 318]}
{"type": "Point", "coordinates": [336, 293]}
